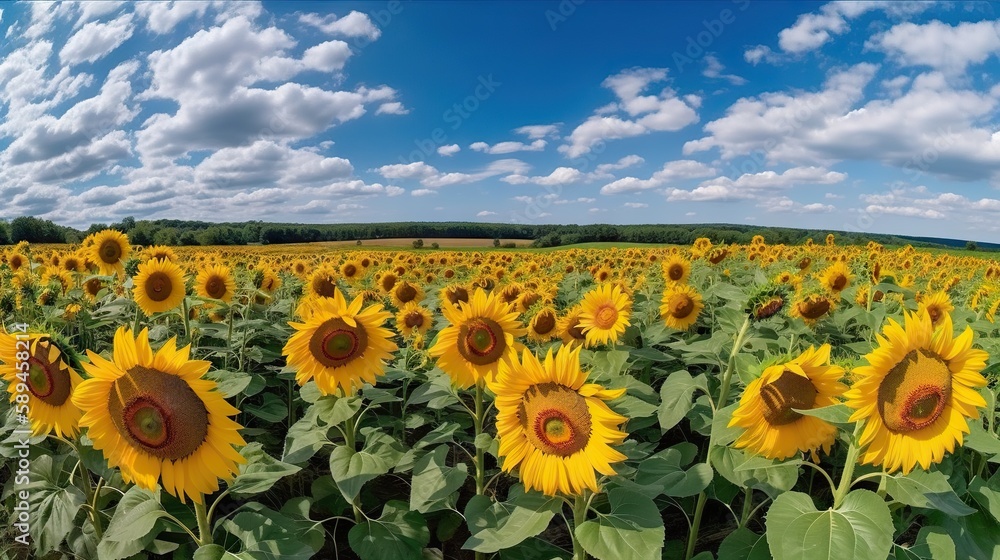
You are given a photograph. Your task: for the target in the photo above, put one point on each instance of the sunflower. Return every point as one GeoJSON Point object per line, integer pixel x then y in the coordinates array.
{"type": "Point", "coordinates": [159, 286]}
{"type": "Point", "coordinates": [767, 408]}
{"type": "Point", "coordinates": [352, 271]}
{"type": "Point", "coordinates": [917, 393]}
{"type": "Point", "coordinates": [569, 327]}
{"type": "Point", "coordinates": [553, 426]}
{"type": "Point", "coordinates": [301, 268]}
{"type": "Point", "coordinates": [482, 334]}
{"type": "Point", "coordinates": [49, 379]}
{"type": "Point", "coordinates": [542, 327]}
{"type": "Point", "coordinates": [93, 287]}
{"type": "Point", "coordinates": [405, 292]}
{"type": "Point", "coordinates": [109, 249]}
{"type": "Point", "coordinates": [676, 269]}
{"type": "Point", "coordinates": [72, 263]}
{"type": "Point", "coordinates": [605, 314]}
{"type": "Point", "coordinates": [161, 253]}
{"type": "Point", "coordinates": [836, 278]}
{"type": "Point", "coordinates": [16, 261]}
{"type": "Point", "coordinates": [215, 282]}
{"type": "Point", "coordinates": [938, 306]}
{"type": "Point", "coordinates": [680, 307]}
{"type": "Point", "coordinates": [157, 419]}
{"type": "Point", "coordinates": [812, 308]}
{"type": "Point", "coordinates": [454, 293]}
{"type": "Point", "coordinates": [340, 345]}
{"type": "Point", "coordinates": [387, 281]}
{"type": "Point", "coordinates": [413, 319]}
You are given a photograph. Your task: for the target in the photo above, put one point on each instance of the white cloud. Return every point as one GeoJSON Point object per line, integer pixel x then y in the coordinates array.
{"type": "Point", "coordinates": [423, 192]}
{"type": "Point", "coordinates": [508, 147]}
{"type": "Point", "coordinates": [415, 170]}
{"type": "Point", "coordinates": [485, 213]}
{"type": "Point", "coordinates": [636, 205]}
{"type": "Point", "coordinates": [536, 131]}
{"type": "Point", "coordinates": [755, 55]}
{"type": "Point", "coordinates": [811, 31]}
{"type": "Point", "coordinates": [645, 113]}
{"type": "Point", "coordinates": [714, 68]}
{"type": "Point", "coordinates": [326, 57]}
{"type": "Point", "coordinates": [354, 24]}
{"type": "Point", "coordinates": [909, 211]}
{"type": "Point", "coordinates": [753, 185]}
{"type": "Point", "coordinates": [392, 108]}
{"type": "Point", "coordinates": [162, 17]}
{"type": "Point", "coordinates": [559, 176]}
{"type": "Point", "coordinates": [950, 49]}
{"type": "Point", "coordinates": [449, 150]}
{"type": "Point", "coordinates": [431, 177]}
{"type": "Point", "coordinates": [95, 40]}
{"type": "Point", "coordinates": [787, 205]}
{"type": "Point", "coordinates": [604, 169]}
{"type": "Point", "coordinates": [671, 171]}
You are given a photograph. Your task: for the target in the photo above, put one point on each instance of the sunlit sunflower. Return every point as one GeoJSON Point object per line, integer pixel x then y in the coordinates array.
{"type": "Point", "coordinates": [767, 408]}
{"type": "Point", "coordinates": [543, 326]}
{"type": "Point", "coordinates": [676, 269]}
{"type": "Point", "coordinates": [605, 314]}
{"type": "Point", "coordinates": [413, 319]}
{"type": "Point", "coordinates": [352, 271]}
{"type": "Point", "coordinates": [71, 263]}
{"type": "Point", "coordinates": [159, 286]}
{"type": "Point", "coordinates": [16, 261]}
{"type": "Point", "coordinates": [215, 282]}
{"type": "Point", "coordinates": [482, 334]}
{"type": "Point", "coordinates": [387, 281]}
{"type": "Point", "coordinates": [92, 287]}
{"type": "Point", "coordinates": [301, 268]}
{"type": "Point", "coordinates": [322, 282]}
{"type": "Point", "coordinates": [454, 293]}
{"type": "Point", "coordinates": [680, 307]}
{"type": "Point", "coordinates": [108, 250]}
{"type": "Point", "coordinates": [937, 305]}
{"type": "Point", "coordinates": [553, 426]}
{"type": "Point", "coordinates": [340, 345]}
{"type": "Point", "coordinates": [569, 327]}
{"type": "Point", "coordinates": [49, 379]}
{"type": "Point", "coordinates": [157, 419]}
{"type": "Point", "coordinates": [917, 392]}
{"type": "Point", "coordinates": [836, 278]}
{"type": "Point", "coordinates": [161, 253]}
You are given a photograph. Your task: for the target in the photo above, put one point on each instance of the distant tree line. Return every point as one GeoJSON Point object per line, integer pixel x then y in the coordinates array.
{"type": "Point", "coordinates": [184, 232]}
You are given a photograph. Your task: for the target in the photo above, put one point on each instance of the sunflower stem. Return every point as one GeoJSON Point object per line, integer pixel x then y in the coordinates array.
{"type": "Point", "coordinates": [580, 506]}
{"type": "Point", "coordinates": [187, 321]}
{"type": "Point", "coordinates": [229, 336]}
{"type": "Point", "coordinates": [846, 478]}
{"type": "Point", "coordinates": [204, 523]}
{"type": "Point", "coordinates": [727, 378]}
{"type": "Point", "coordinates": [747, 506]}
{"type": "Point", "coordinates": [88, 490]}
{"type": "Point", "coordinates": [480, 456]}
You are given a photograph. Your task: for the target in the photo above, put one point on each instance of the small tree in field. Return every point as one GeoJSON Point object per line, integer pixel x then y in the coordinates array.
{"type": "Point", "coordinates": [418, 243]}
{"type": "Point", "coordinates": [971, 246]}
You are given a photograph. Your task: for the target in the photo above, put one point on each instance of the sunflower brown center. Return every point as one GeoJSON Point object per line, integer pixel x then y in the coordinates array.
{"type": "Point", "coordinates": [158, 413]}
{"type": "Point", "coordinates": [350, 270]}
{"type": "Point", "coordinates": [544, 323]}
{"type": "Point", "coordinates": [529, 299]}
{"type": "Point", "coordinates": [158, 286]}
{"type": "Point", "coordinates": [914, 392]}
{"type": "Point", "coordinates": [111, 251]}
{"type": "Point", "coordinates": [335, 343]}
{"type": "Point", "coordinates": [782, 395]}
{"type": "Point", "coordinates": [804, 263]}
{"type": "Point", "coordinates": [215, 287]}
{"type": "Point", "coordinates": [934, 312]}
{"type": "Point", "coordinates": [49, 382]}
{"type": "Point", "coordinates": [92, 286]}
{"type": "Point", "coordinates": [574, 329]}
{"type": "Point", "coordinates": [324, 286]}
{"type": "Point", "coordinates": [458, 294]}
{"type": "Point", "coordinates": [769, 308]}
{"type": "Point", "coordinates": [606, 317]}
{"type": "Point", "coordinates": [387, 282]}
{"type": "Point", "coordinates": [814, 309]}
{"type": "Point", "coordinates": [839, 283]}
{"type": "Point", "coordinates": [406, 292]}
{"type": "Point", "coordinates": [555, 419]}
{"type": "Point", "coordinates": [413, 319]}
{"type": "Point", "coordinates": [675, 272]}
{"type": "Point", "coordinates": [481, 341]}
{"type": "Point", "coordinates": [680, 306]}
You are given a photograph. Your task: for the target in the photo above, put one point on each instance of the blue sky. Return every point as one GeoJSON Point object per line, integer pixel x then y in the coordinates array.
{"type": "Point", "coordinates": [861, 116]}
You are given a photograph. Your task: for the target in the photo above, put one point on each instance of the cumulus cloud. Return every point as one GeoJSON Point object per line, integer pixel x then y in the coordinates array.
{"type": "Point", "coordinates": [508, 147]}
{"type": "Point", "coordinates": [432, 178]}
{"type": "Point", "coordinates": [813, 30]}
{"type": "Point", "coordinates": [752, 185]}
{"type": "Point", "coordinates": [948, 48]}
{"type": "Point", "coordinates": [671, 171]}
{"type": "Point", "coordinates": [96, 40]}
{"type": "Point", "coordinates": [354, 24]}
{"type": "Point", "coordinates": [663, 111]}
{"type": "Point", "coordinates": [449, 150]}
{"type": "Point", "coordinates": [536, 131]}
{"type": "Point", "coordinates": [714, 69]}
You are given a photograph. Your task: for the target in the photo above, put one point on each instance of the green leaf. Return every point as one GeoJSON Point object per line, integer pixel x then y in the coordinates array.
{"type": "Point", "coordinates": [501, 525]}
{"type": "Point", "coordinates": [52, 501]}
{"type": "Point", "coordinates": [633, 529]}
{"type": "Point", "coordinates": [633, 407]}
{"type": "Point", "coordinates": [267, 534]}
{"type": "Point", "coordinates": [834, 414]}
{"type": "Point", "coordinates": [860, 529]}
{"type": "Point", "coordinates": [230, 383]}
{"type": "Point", "coordinates": [986, 493]}
{"type": "Point", "coordinates": [722, 432]}
{"type": "Point", "coordinates": [933, 543]}
{"type": "Point", "coordinates": [675, 397]}
{"type": "Point", "coordinates": [744, 544]}
{"type": "Point", "coordinates": [926, 490]}
{"type": "Point", "coordinates": [606, 365]}
{"type": "Point", "coordinates": [260, 472]}
{"type": "Point", "coordinates": [434, 483]}
{"type": "Point", "coordinates": [663, 473]}
{"type": "Point", "coordinates": [982, 441]}
{"type": "Point", "coordinates": [304, 438]}
{"type": "Point", "coordinates": [352, 469]}
{"type": "Point", "coordinates": [273, 409]}
{"type": "Point", "coordinates": [751, 471]}
{"type": "Point", "coordinates": [133, 526]}
{"type": "Point", "coordinates": [398, 535]}
{"type": "Point", "coordinates": [975, 536]}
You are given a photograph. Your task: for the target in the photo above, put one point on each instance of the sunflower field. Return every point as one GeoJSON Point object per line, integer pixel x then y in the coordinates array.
{"type": "Point", "coordinates": [739, 402]}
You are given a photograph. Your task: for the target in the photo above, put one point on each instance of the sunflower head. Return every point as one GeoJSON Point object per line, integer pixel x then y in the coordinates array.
{"type": "Point", "coordinates": [404, 292]}
{"type": "Point", "coordinates": [917, 393]}
{"type": "Point", "coordinates": [340, 345]}
{"type": "Point", "coordinates": [812, 308]}
{"type": "Point", "coordinates": [215, 282]}
{"type": "Point", "coordinates": [769, 405]}
{"type": "Point", "coordinates": [836, 278]}
{"type": "Point", "coordinates": [605, 313]}
{"type": "Point", "coordinates": [937, 306]}
{"type": "Point", "coordinates": [676, 269]}
{"type": "Point", "coordinates": [109, 249]}
{"type": "Point", "coordinates": [543, 326]}
{"type": "Point", "coordinates": [413, 319]}
{"type": "Point", "coordinates": [681, 305]}
{"type": "Point", "coordinates": [157, 419]}
{"type": "Point", "coordinates": [554, 427]}
{"type": "Point", "coordinates": [50, 379]}
{"type": "Point", "coordinates": [159, 286]}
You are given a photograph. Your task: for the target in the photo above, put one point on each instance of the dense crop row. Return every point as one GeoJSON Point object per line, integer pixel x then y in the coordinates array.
{"type": "Point", "coordinates": [738, 401]}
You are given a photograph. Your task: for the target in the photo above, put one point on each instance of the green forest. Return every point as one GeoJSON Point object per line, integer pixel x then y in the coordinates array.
{"type": "Point", "coordinates": [182, 232]}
